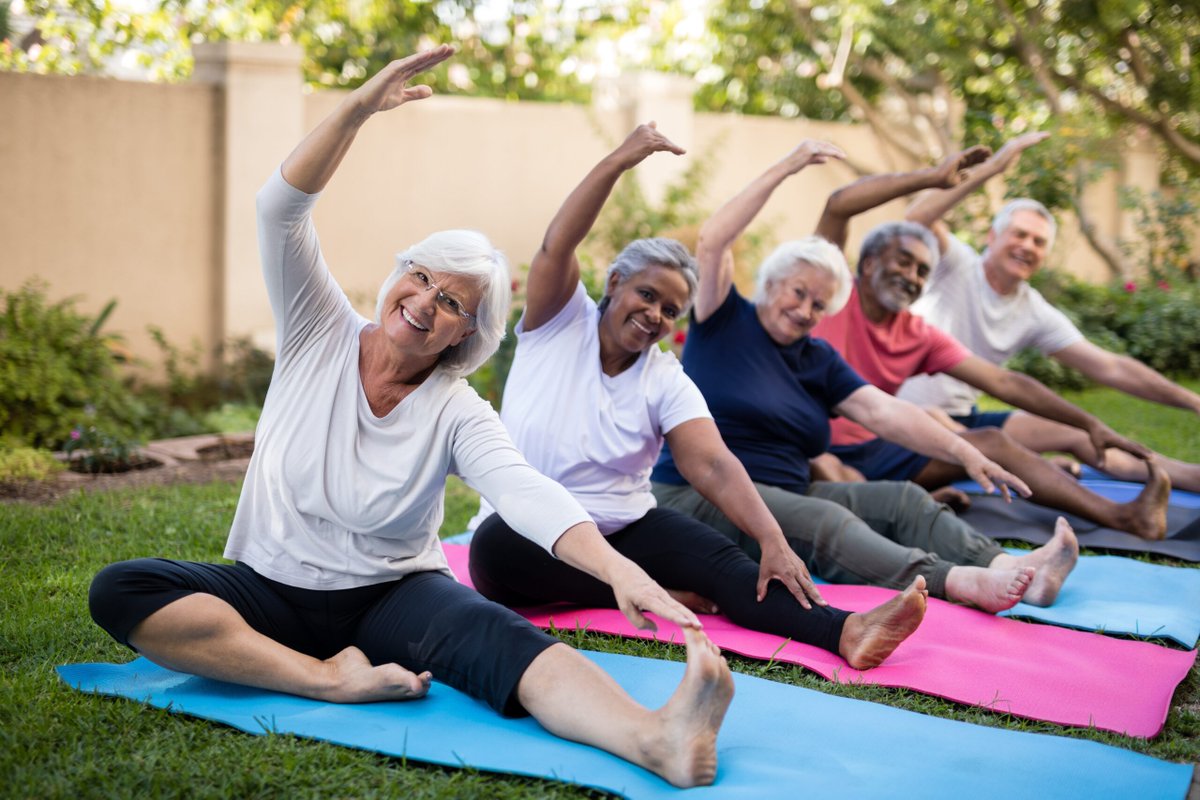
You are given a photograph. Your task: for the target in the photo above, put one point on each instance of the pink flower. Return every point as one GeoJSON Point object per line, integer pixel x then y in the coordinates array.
{"type": "Point", "coordinates": [76, 435]}
{"type": "Point", "coordinates": [680, 337]}
{"type": "Point", "coordinates": [1164, 286]}
{"type": "Point", "coordinates": [1130, 287]}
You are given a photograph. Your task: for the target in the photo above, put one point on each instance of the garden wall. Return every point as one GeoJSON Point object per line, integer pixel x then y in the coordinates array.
{"type": "Point", "coordinates": [144, 192]}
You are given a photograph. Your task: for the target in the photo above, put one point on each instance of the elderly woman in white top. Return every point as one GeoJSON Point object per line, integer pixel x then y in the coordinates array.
{"type": "Point", "coordinates": [340, 590]}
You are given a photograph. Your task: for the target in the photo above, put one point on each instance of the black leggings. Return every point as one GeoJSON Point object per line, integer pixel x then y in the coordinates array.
{"type": "Point", "coordinates": [424, 621]}
{"type": "Point", "coordinates": [676, 551]}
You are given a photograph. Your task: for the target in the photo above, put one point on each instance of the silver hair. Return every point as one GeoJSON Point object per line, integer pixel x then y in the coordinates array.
{"type": "Point", "coordinates": [1004, 217]}
{"type": "Point", "coordinates": [468, 253]}
{"type": "Point", "coordinates": [641, 254]}
{"type": "Point", "coordinates": [881, 236]}
{"type": "Point", "coordinates": [814, 251]}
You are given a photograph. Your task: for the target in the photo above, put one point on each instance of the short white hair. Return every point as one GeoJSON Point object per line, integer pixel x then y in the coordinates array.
{"type": "Point", "coordinates": [811, 251]}
{"type": "Point", "coordinates": [1004, 217]}
{"type": "Point", "coordinates": [469, 253]}
{"type": "Point", "coordinates": [641, 254]}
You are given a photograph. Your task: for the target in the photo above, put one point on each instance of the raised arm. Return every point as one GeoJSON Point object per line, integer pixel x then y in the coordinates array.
{"type": "Point", "coordinates": [899, 421]}
{"type": "Point", "coordinates": [316, 158]}
{"type": "Point", "coordinates": [930, 207]}
{"type": "Point", "coordinates": [554, 271]}
{"type": "Point", "coordinates": [1031, 395]}
{"type": "Point", "coordinates": [714, 255]}
{"type": "Point", "coordinates": [874, 190]}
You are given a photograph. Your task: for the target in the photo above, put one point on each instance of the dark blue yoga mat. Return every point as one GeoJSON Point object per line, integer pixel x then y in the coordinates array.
{"type": "Point", "coordinates": [1029, 522]}
{"type": "Point", "coordinates": [778, 740]}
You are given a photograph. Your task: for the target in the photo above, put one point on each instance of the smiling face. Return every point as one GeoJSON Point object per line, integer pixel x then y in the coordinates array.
{"type": "Point", "coordinates": [1017, 253]}
{"type": "Point", "coordinates": [895, 277]}
{"type": "Point", "coordinates": [641, 310]}
{"type": "Point", "coordinates": [796, 303]}
{"type": "Point", "coordinates": [417, 324]}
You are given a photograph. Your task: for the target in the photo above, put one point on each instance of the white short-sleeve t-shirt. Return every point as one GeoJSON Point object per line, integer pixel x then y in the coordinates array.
{"type": "Point", "coordinates": [335, 497]}
{"type": "Point", "coordinates": [598, 436]}
{"type": "Point", "coordinates": [959, 300]}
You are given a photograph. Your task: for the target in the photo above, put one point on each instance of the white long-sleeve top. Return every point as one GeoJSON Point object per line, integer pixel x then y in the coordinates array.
{"type": "Point", "coordinates": [335, 497]}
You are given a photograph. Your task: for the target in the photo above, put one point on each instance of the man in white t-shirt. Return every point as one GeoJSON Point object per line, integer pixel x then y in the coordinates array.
{"type": "Point", "coordinates": [985, 301]}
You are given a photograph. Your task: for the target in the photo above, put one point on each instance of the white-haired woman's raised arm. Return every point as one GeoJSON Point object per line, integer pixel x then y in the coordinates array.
{"type": "Point", "coordinates": [718, 233]}
{"type": "Point", "coordinates": [554, 272]}
{"type": "Point", "coordinates": [316, 158]}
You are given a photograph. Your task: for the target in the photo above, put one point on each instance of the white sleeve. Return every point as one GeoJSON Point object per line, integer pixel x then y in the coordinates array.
{"type": "Point", "coordinates": [1051, 330]}
{"type": "Point", "coordinates": [305, 298]}
{"type": "Point", "coordinates": [530, 503]}
{"type": "Point", "coordinates": [681, 400]}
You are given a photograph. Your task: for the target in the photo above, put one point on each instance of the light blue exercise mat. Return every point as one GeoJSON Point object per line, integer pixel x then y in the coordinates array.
{"type": "Point", "coordinates": [1119, 595]}
{"type": "Point", "coordinates": [777, 741]}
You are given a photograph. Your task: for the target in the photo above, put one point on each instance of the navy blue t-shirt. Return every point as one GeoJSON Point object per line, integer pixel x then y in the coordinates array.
{"type": "Point", "coordinates": [772, 404]}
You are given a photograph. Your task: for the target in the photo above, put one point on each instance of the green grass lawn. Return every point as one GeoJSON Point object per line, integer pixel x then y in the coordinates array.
{"type": "Point", "coordinates": [55, 742]}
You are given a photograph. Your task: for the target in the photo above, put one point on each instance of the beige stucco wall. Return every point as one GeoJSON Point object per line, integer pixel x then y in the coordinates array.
{"type": "Point", "coordinates": [108, 192]}
{"type": "Point", "coordinates": [145, 192]}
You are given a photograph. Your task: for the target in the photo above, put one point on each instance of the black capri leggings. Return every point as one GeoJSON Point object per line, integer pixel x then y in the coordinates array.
{"type": "Point", "coordinates": [424, 621]}
{"type": "Point", "coordinates": [675, 550]}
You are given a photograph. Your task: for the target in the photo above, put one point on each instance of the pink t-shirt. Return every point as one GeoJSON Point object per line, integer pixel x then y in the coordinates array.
{"type": "Point", "coordinates": [885, 354]}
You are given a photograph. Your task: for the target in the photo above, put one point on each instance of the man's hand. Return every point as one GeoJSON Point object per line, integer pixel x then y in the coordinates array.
{"type": "Point", "coordinates": [1013, 148]}
{"type": "Point", "coordinates": [644, 141]}
{"type": "Point", "coordinates": [1104, 437]}
{"type": "Point", "coordinates": [991, 476]}
{"type": "Point", "coordinates": [953, 170]}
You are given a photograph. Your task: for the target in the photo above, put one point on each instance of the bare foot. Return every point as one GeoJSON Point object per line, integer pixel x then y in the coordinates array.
{"type": "Point", "coordinates": [958, 500]}
{"type": "Point", "coordinates": [867, 639]}
{"type": "Point", "coordinates": [694, 602]}
{"type": "Point", "coordinates": [1053, 561]}
{"type": "Point", "coordinates": [682, 747]}
{"type": "Point", "coordinates": [988, 588]}
{"type": "Point", "coordinates": [1146, 516]}
{"type": "Point", "coordinates": [355, 680]}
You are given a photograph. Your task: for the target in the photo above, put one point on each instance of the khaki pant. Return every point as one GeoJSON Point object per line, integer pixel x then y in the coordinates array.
{"type": "Point", "coordinates": [883, 533]}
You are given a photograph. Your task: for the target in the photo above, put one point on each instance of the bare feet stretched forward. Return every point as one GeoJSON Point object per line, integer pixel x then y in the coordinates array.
{"type": "Point", "coordinates": [352, 679]}
{"type": "Point", "coordinates": [1147, 514]}
{"type": "Point", "coordinates": [989, 589]}
{"type": "Point", "coordinates": [1053, 561]}
{"type": "Point", "coordinates": [682, 745]}
{"type": "Point", "coordinates": [868, 639]}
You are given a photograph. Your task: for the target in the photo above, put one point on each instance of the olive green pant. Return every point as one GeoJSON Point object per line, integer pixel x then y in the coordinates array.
{"type": "Point", "coordinates": [883, 533]}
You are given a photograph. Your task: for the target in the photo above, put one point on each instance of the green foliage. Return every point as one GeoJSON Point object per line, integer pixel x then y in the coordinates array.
{"type": "Point", "coordinates": [1157, 323]}
{"type": "Point", "coordinates": [57, 370]}
{"type": "Point", "coordinates": [490, 378]}
{"type": "Point", "coordinates": [92, 450]}
{"type": "Point", "coordinates": [233, 418]}
{"type": "Point", "coordinates": [27, 464]}
{"type": "Point", "coordinates": [1167, 225]}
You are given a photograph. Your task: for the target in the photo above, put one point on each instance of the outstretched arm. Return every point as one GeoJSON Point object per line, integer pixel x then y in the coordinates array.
{"type": "Point", "coordinates": [555, 269]}
{"type": "Point", "coordinates": [899, 421]}
{"type": "Point", "coordinates": [714, 248]}
{"type": "Point", "coordinates": [875, 190]}
{"type": "Point", "coordinates": [1127, 374]}
{"type": "Point", "coordinates": [930, 207]}
{"type": "Point", "coordinates": [316, 158]}
{"type": "Point", "coordinates": [1031, 395]}
{"type": "Point", "coordinates": [585, 548]}
{"type": "Point", "coordinates": [708, 465]}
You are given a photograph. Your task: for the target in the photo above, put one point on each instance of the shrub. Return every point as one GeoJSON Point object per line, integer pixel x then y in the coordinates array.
{"type": "Point", "coordinates": [27, 464]}
{"type": "Point", "coordinates": [56, 368]}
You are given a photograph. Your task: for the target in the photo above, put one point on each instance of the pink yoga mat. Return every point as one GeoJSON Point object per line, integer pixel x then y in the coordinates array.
{"type": "Point", "coordinates": [1027, 670]}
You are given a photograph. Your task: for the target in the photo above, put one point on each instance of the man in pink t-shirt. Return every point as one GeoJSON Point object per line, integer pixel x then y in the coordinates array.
{"type": "Point", "coordinates": [886, 344]}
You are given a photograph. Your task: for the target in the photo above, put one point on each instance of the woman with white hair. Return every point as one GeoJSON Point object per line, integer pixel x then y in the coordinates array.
{"type": "Point", "coordinates": [341, 590]}
{"type": "Point", "coordinates": [595, 369]}
{"type": "Point", "coordinates": [772, 390]}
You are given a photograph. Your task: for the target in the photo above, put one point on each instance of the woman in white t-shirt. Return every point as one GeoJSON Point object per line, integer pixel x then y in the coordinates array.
{"type": "Point", "coordinates": [589, 401]}
{"type": "Point", "coordinates": [340, 590]}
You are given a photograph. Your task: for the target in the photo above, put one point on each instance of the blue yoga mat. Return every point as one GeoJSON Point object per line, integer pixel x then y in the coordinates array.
{"type": "Point", "coordinates": [1120, 595]}
{"type": "Point", "coordinates": [777, 741]}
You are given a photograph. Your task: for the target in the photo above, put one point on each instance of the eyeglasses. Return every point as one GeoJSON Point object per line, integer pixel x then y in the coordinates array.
{"type": "Point", "coordinates": [445, 302]}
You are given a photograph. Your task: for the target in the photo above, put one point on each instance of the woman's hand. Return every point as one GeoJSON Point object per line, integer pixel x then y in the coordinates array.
{"type": "Point", "coordinates": [637, 593]}
{"type": "Point", "coordinates": [780, 563]}
{"type": "Point", "coordinates": [644, 141]}
{"type": "Point", "coordinates": [389, 87]}
{"type": "Point", "coordinates": [812, 151]}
